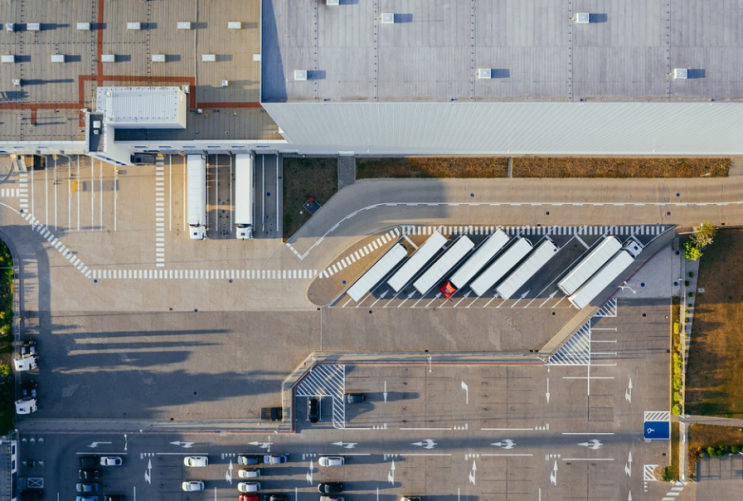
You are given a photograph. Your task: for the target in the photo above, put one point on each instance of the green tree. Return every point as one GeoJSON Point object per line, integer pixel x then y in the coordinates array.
{"type": "Point", "coordinates": [691, 251]}
{"type": "Point", "coordinates": [704, 235]}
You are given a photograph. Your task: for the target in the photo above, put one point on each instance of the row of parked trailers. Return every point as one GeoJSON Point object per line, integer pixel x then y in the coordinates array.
{"type": "Point", "coordinates": [510, 269]}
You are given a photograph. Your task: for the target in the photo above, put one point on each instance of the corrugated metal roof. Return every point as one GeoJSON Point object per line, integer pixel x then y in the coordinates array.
{"type": "Point", "coordinates": [514, 128]}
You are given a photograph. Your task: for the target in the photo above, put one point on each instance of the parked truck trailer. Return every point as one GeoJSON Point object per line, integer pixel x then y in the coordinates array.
{"type": "Point", "coordinates": [196, 174]}
{"type": "Point", "coordinates": [244, 195]}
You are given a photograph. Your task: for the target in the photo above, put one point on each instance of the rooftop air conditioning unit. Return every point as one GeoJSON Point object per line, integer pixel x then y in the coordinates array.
{"type": "Point", "coordinates": [234, 25]}
{"type": "Point", "coordinates": [225, 83]}
{"type": "Point", "coordinates": [133, 26]}
{"type": "Point", "coordinates": [16, 82]}
{"type": "Point", "coordinates": [108, 58]}
{"type": "Point", "coordinates": [300, 75]}
{"type": "Point", "coordinates": [33, 26]}
{"type": "Point", "coordinates": [208, 58]}
{"type": "Point", "coordinates": [582, 18]}
{"type": "Point", "coordinates": [332, 2]}
{"type": "Point", "coordinates": [484, 73]}
{"type": "Point", "coordinates": [388, 18]}
{"type": "Point", "coordinates": [10, 27]}
{"type": "Point", "coordinates": [184, 25]}
{"type": "Point", "coordinates": [680, 73]}
{"type": "Point", "coordinates": [8, 59]}
{"type": "Point", "coordinates": [58, 58]}
{"type": "Point", "coordinates": [83, 26]}
{"type": "Point", "coordinates": [158, 58]}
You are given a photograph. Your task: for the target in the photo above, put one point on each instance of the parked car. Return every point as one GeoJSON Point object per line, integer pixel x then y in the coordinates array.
{"type": "Point", "coordinates": [248, 497]}
{"type": "Point", "coordinates": [89, 474]}
{"type": "Point", "coordinates": [245, 473]}
{"type": "Point", "coordinates": [87, 487]}
{"type": "Point", "coordinates": [248, 460]}
{"type": "Point", "coordinates": [331, 461]}
{"type": "Point", "coordinates": [113, 497]}
{"type": "Point", "coordinates": [313, 410]}
{"type": "Point", "coordinates": [410, 498]}
{"type": "Point", "coordinates": [330, 487]}
{"type": "Point", "coordinates": [86, 498]}
{"type": "Point", "coordinates": [88, 462]}
{"type": "Point", "coordinates": [354, 398]}
{"type": "Point", "coordinates": [193, 486]}
{"type": "Point", "coordinates": [332, 498]}
{"type": "Point", "coordinates": [111, 461]}
{"type": "Point", "coordinates": [277, 497]}
{"type": "Point", "coordinates": [32, 494]}
{"type": "Point", "coordinates": [196, 461]}
{"type": "Point", "coordinates": [248, 486]}
{"type": "Point", "coordinates": [275, 459]}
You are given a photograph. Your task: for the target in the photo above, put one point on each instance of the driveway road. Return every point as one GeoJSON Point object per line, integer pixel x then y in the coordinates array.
{"type": "Point", "coordinates": [373, 205]}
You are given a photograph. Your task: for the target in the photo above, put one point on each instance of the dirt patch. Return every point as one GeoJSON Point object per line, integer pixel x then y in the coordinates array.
{"type": "Point", "coordinates": [719, 438]}
{"type": "Point", "coordinates": [422, 167]}
{"type": "Point", "coordinates": [305, 178]}
{"type": "Point", "coordinates": [620, 167]}
{"type": "Point", "coordinates": [714, 377]}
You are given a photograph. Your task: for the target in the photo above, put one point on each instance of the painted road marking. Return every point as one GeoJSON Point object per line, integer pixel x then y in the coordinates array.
{"type": "Point", "coordinates": [354, 255]}
{"type": "Point", "coordinates": [159, 217]}
{"type": "Point", "coordinates": [191, 274]}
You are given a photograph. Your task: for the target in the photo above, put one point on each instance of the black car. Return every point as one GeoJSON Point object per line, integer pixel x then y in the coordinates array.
{"type": "Point", "coordinates": [88, 487]}
{"type": "Point", "coordinates": [28, 390]}
{"type": "Point", "coordinates": [32, 494]}
{"type": "Point", "coordinates": [28, 347]}
{"type": "Point", "coordinates": [248, 460]}
{"type": "Point", "coordinates": [113, 497]}
{"type": "Point", "coordinates": [89, 474]}
{"type": "Point", "coordinates": [88, 462]}
{"type": "Point", "coordinates": [330, 487]}
{"type": "Point", "coordinates": [354, 398]}
{"type": "Point", "coordinates": [312, 410]}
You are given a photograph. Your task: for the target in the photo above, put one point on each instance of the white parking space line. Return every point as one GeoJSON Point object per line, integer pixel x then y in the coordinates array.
{"type": "Point", "coordinates": [506, 429]}
{"type": "Point", "coordinates": [426, 429]}
{"type": "Point", "coordinates": [588, 459]}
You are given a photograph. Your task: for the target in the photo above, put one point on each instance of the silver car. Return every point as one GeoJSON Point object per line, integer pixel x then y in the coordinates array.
{"type": "Point", "coordinates": [245, 473]}
{"type": "Point", "coordinates": [249, 486]}
{"type": "Point", "coordinates": [331, 461]}
{"type": "Point", "coordinates": [193, 486]}
{"type": "Point", "coordinates": [196, 461]}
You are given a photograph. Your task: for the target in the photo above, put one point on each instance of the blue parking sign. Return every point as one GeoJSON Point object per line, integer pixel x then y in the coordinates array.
{"type": "Point", "coordinates": [657, 430]}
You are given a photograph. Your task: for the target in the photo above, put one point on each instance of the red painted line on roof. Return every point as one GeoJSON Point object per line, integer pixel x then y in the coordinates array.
{"type": "Point", "coordinates": [99, 42]}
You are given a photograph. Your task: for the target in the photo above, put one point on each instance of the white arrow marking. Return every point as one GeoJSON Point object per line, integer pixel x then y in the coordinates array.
{"type": "Point", "coordinates": [262, 445]}
{"type": "Point", "coordinates": [473, 475]}
{"type": "Point", "coordinates": [466, 295]}
{"type": "Point", "coordinates": [385, 391]}
{"type": "Point", "coordinates": [381, 296]}
{"type": "Point", "coordinates": [185, 445]}
{"type": "Point", "coordinates": [148, 472]}
{"type": "Point", "coordinates": [519, 299]}
{"type": "Point", "coordinates": [391, 474]}
{"type": "Point", "coordinates": [592, 444]}
{"type": "Point", "coordinates": [228, 475]}
{"type": "Point", "coordinates": [628, 466]}
{"type": "Point", "coordinates": [550, 297]}
{"type": "Point", "coordinates": [309, 473]}
{"type": "Point", "coordinates": [466, 392]}
{"type": "Point", "coordinates": [506, 444]}
{"type": "Point", "coordinates": [548, 390]}
{"type": "Point", "coordinates": [96, 444]}
{"type": "Point", "coordinates": [553, 475]}
{"type": "Point", "coordinates": [126, 442]}
{"type": "Point", "coordinates": [346, 445]}
{"type": "Point", "coordinates": [629, 496]}
{"type": "Point", "coordinates": [628, 393]}
{"type": "Point", "coordinates": [429, 363]}
{"type": "Point", "coordinates": [426, 444]}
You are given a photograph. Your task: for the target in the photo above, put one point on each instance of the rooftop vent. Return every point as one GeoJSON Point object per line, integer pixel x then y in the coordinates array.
{"type": "Point", "coordinates": [58, 58]}
{"type": "Point", "coordinates": [680, 73]}
{"type": "Point", "coordinates": [256, 58]}
{"type": "Point", "coordinates": [83, 26]}
{"type": "Point", "coordinates": [225, 83]}
{"type": "Point", "coordinates": [208, 58]}
{"type": "Point", "coordinates": [8, 59]}
{"type": "Point", "coordinates": [108, 58]}
{"type": "Point", "coordinates": [484, 73]}
{"type": "Point", "coordinates": [332, 2]}
{"type": "Point", "coordinates": [234, 25]}
{"type": "Point", "coordinates": [33, 26]}
{"type": "Point", "coordinates": [10, 27]}
{"type": "Point", "coordinates": [388, 18]}
{"type": "Point", "coordinates": [184, 25]}
{"type": "Point", "coordinates": [16, 82]}
{"type": "Point", "coordinates": [158, 58]}
{"type": "Point", "coordinates": [133, 26]}
{"type": "Point", "coordinates": [300, 75]}
{"type": "Point", "coordinates": [582, 18]}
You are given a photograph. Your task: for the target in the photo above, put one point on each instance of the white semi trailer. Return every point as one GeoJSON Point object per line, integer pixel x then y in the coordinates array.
{"type": "Point", "coordinates": [418, 260]}
{"type": "Point", "coordinates": [444, 264]}
{"type": "Point", "coordinates": [196, 174]}
{"type": "Point", "coordinates": [244, 195]}
{"type": "Point", "coordinates": [479, 259]}
{"type": "Point", "coordinates": [505, 262]}
{"type": "Point", "coordinates": [531, 265]}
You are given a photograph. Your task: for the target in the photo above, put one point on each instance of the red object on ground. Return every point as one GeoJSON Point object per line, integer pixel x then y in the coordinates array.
{"type": "Point", "coordinates": [448, 290]}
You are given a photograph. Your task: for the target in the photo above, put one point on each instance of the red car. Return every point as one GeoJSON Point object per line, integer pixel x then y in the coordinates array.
{"type": "Point", "coordinates": [248, 497]}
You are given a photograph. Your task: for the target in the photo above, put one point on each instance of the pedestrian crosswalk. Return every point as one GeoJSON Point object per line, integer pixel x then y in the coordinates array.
{"type": "Point", "coordinates": [674, 493]}
{"type": "Point", "coordinates": [43, 230]}
{"type": "Point", "coordinates": [9, 192]}
{"type": "Point", "coordinates": [159, 215]}
{"type": "Point", "coordinates": [193, 274]}
{"type": "Point", "coordinates": [609, 309]}
{"type": "Point", "coordinates": [363, 251]}
{"type": "Point", "coordinates": [576, 351]}
{"type": "Point", "coordinates": [650, 230]}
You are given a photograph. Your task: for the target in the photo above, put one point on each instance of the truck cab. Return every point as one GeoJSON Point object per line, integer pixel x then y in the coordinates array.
{"type": "Point", "coordinates": [272, 413]}
{"type": "Point", "coordinates": [197, 232]}
{"type": "Point", "coordinates": [26, 358]}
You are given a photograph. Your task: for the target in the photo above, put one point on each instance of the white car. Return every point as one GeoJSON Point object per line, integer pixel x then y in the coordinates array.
{"type": "Point", "coordinates": [331, 461]}
{"type": "Point", "coordinates": [111, 461]}
{"type": "Point", "coordinates": [249, 486]}
{"type": "Point", "coordinates": [196, 461]}
{"type": "Point", "coordinates": [249, 473]}
{"type": "Point", "coordinates": [192, 486]}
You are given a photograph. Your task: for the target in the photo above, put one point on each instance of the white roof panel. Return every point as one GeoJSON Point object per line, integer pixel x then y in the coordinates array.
{"type": "Point", "coordinates": [143, 107]}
